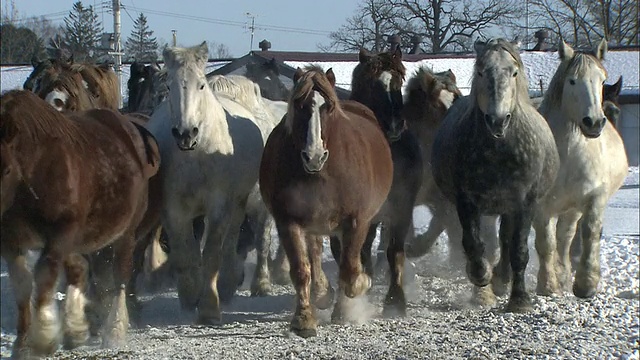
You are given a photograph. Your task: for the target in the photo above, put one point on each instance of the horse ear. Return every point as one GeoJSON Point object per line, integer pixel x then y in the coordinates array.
{"type": "Point", "coordinates": [331, 77]}
{"type": "Point", "coordinates": [364, 55]}
{"type": "Point", "coordinates": [298, 74]}
{"type": "Point", "coordinates": [451, 75]}
{"type": "Point", "coordinates": [479, 46]}
{"type": "Point", "coordinates": [601, 49]}
{"type": "Point", "coordinates": [617, 86]}
{"type": "Point", "coordinates": [564, 50]}
{"type": "Point", "coordinates": [202, 53]}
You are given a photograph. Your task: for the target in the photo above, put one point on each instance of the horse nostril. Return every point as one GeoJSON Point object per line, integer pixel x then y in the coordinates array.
{"type": "Point", "coordinates": [588, 121]}
{"type": "Point", "coordinates": [194, 131]}
{"type": "Point", "coordinates": [507, 117]}
{"type": "Point", "coordinates": [325, 155]}
{"type": "Point", "coordinates": [305, 156]}
{"type": "Point", "coordinates": [175, 132]}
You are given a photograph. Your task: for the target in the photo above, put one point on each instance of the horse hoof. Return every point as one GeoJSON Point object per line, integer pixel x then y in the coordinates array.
{"type": "Point", "coordinates": [584, 292]}
{"type": "Point", "coordinates": [483, 297]}
{"type": "Point", "coordinates": [479, 272]}
{"type": "Point", "coordinates": [394, 310]}
{"type": "Point", "coordinates": [547, 290]}
{"type": "Point", "coordinates": [325, 301]}
{"type": "Point", "coordinates": [520, 304]}
{"type": "Point", "coordinates": [357, 287]}
{"type": "Point", "coordinates": [305, 333]}
{"type": "Point", "coordinates": [261, 290]}
{"type": "Point", "coordinates": [499, 286]}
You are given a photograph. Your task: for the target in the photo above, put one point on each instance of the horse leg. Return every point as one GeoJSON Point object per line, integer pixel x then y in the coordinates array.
{"type": "Point", "coordinates": [246, 242]}
{"type": "Point", "coordinates": [321, 291]}
{"type": "Point", "coordinates": [352, 281]}
{"type": "Point", "coordinates": [565, 232]}
{"type": "Point", "coordinates": [280, 267]}
{"type": "Point", "coordinates": [117, 323]}
{"type": "Point", "coordinates": [576, 245]}
{"type": "Point", "coordinates": [588, 271]}
{"type": "Point", "coordinates": [155, 260]}
{"type": "Point", "coordinates": [519, 301]}
{"type": "Point", "coordinates": [102, 288]}
{"type": "Point", "coordinates": [76, 326]}
{"type": "Point", "coordinates": [502, 271]}
{"type": "Point", "coordinates": [478, 268]}
{"type": "Point", "coordinates": [21, 283]}
{"type": "Point", "coordinates": [547, 254]}
{"type": "Point", "coordinates": [44, 332]}
{"type": "Point", "coordinates": [292, 239]}
{"type": "Point", "coordinates": [395, 303]}
{"type": "Point", "coordinates": [185, 258]}
{"type": "Point", "coordinates": [261, 284]}
{"type": "Point", "coordinates": [491, 239]}
{"type": "Point", "coordinates": [221, 243]}
{"type": "Point", "coordinates": [422, 243]}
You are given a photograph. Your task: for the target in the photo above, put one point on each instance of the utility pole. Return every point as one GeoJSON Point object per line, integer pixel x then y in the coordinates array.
{"type": "Point", "coordinates": [526, 26]}
{"type": "Point", "coordinates": [117, 52]}
{"type": "Point", "coordinates": [174, 35]}
{"type": "Point", "coordinates": [252, 28]}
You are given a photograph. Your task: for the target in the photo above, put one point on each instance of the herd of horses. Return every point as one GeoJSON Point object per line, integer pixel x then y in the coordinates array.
{"type": "Point", "coordinates": [214, 162]}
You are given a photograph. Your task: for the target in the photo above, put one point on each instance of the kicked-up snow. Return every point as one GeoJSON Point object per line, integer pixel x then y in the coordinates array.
{"type": "Point", "coordinates": [441, 323]}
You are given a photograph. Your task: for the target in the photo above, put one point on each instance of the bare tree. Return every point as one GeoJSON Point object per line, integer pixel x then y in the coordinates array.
{"type": "Point", "coordinates": [585, 22]}
{"type": "Point", "coordinates": [372, 21]}
{"type": "Point", "coordinates": [218, 50]}
{"type": "Point", "coordinates": [443, 25]}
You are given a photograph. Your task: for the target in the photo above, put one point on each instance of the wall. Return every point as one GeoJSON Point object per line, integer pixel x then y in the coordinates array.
{"type": "Point", "coordinates": [629, 128]}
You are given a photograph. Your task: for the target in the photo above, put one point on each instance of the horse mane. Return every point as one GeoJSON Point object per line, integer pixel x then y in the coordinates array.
{"type": "Point", "coordinates": [313, 79]}
{"type": "Point", "coordinates": [424, 80]}
{"type": "Point", "coordinates": [576, 66]}
{"type": "Point", "coordinates": [240, 87]}
{"type": "Point", "coordinates": [24, 114]}
{"type": "Point", "coordinates": [522, 83]}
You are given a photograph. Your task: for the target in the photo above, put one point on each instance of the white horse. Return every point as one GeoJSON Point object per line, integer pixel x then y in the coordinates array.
{"type": "Point", "coordinates": [593, 165]}
{"type": "Point", "coordinates": [211, 149]}
{"type": "Point", "coordinates": [268, 114]}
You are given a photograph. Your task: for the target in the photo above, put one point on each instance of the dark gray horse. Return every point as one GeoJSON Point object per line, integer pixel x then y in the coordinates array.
{"type": "Point", "coordinates": [495, 155]}
{"type": "Point", "coordinates": [267, 76]}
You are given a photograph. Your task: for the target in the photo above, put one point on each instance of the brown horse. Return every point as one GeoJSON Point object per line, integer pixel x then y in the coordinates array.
{"type": "Point", "coordinates": [77, 87]}
{"type": "Point", "coordinates": [72, 184]}
{"type": "Point", "coordinates": [326, 169]}
{"type": "Point", "coordinates": [377, 83]}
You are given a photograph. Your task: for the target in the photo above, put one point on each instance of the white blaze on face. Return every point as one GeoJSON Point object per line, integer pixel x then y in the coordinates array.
{"type": "Point", "coordinates": [314, 144]}
{"type": "Point", "coordinates": [57, 99]}
{"type": "Point", "coordinates": [385, 79]}
{"type": "Point", "coordinates": [447, 98]}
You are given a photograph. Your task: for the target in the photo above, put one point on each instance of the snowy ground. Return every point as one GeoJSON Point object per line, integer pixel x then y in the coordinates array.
{"type": "Point", "coordinates": [440, 323]}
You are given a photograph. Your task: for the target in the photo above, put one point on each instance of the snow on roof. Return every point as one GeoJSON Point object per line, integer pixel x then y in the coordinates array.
{"type": "Point", "coordinates": [540, 67]}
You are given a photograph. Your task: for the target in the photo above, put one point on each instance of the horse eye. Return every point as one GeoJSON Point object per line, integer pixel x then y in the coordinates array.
{"type": "Point", "coordinates": [202, 87]}
{"type": "Point", "coordinates": [480, 73]}
{"type": "Point", "coordinates": [515, 74]}
{"type": "Point", "coordinates": [572, 82]}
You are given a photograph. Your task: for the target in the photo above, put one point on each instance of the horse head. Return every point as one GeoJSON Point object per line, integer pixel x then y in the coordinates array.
{"type": "Point", "coordinates": [582, 78]}
{"type": "Point", "coordinates": [267, 76]}
{"type": "Point", "coordinates": [611, 92]}
{"type": "Point", "coordinates": [313, 97]}
{"type": "Point", "coordinates": [431, 93]}
{"type": "Point", "coordinates": [499, 83]}
{"type": "Point", "coordinates": [188, 90]}
{"type": "Point", "coordinates": [65, 90]}
{"type": "Point", "coordinates": [377, 83]}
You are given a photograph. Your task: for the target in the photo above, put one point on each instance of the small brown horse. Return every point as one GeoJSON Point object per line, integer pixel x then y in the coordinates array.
{"type": "Point", "coordinates": [72, 184]}
{"type": "Point", "coordinates": [77, 87]}
{"type": "Point", "coordinates": [326, 169]}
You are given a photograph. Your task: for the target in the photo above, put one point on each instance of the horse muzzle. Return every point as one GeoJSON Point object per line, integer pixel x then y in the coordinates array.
{"type": "Point", "coordinates": [395, 131]}
{"type": "Point", "coordinates": [313, 163]}
{"type": "Point", "coordinates": [592, 129]}
{"type": "Point", "coordinates": [186, 140]}
{"type": "Point", "coordinates": [497, 126]}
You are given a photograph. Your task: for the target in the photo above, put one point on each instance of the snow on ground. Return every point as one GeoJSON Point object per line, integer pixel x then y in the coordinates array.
{"type": "Point", "coordinates": [440, 324]}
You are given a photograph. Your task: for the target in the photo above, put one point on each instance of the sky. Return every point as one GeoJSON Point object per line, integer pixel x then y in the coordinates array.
{"type": "Point", "coordinates": [298, 25]}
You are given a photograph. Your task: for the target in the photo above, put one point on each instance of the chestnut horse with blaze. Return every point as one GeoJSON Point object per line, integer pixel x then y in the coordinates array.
{"type": "Point", "coordinates": [326, 170]}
